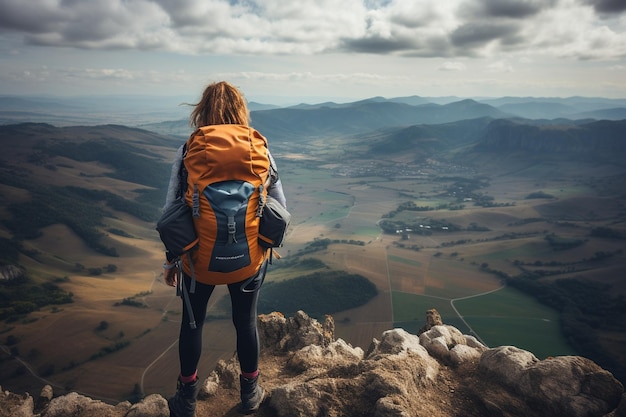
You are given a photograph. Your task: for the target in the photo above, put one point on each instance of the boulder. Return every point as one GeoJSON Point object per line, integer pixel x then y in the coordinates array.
{"type": "Point", "coordinates": [565, 385]}
{"type": "Point", "coordinates": [337, 353]}
{"type": "Point", "coordinates": [77, 405]}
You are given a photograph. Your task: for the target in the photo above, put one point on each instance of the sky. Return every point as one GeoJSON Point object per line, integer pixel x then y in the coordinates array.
{"type": "Point", "coordinates": [286, 51]}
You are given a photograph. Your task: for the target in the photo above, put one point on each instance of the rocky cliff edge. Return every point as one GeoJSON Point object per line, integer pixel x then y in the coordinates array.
{"type": "Point", "coordinates": [440, 372]}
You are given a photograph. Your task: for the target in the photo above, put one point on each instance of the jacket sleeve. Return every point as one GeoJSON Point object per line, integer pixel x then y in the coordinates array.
{"type": "Point", "coordinates": [275, 188]}
{"type": "Point", "coordinates": [174, 184]}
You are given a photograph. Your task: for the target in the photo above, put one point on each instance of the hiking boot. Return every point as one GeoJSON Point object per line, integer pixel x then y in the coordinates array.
{"type": "Point", "coordinates": [251, 394]}
{"type": "Point", "coordinates": [183, 403]}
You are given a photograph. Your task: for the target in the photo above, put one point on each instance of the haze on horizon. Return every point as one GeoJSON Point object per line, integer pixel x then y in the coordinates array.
{"type": "Point", "coordinates": [279, 51]}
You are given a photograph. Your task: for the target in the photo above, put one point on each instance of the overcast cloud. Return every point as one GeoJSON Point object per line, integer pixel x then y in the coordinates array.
{"type": "Point", "coordinates": [502, 33]}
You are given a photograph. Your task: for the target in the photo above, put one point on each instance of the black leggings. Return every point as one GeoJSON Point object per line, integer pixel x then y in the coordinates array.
{"type": "Point", "coordinates": [244, 296]}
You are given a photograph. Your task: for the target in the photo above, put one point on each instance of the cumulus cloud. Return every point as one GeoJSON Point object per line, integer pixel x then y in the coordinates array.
{"type": "Point", "coordinates": [411, 28]}
{"type": "Point", "coordinates": [608, 6]}
{"type": "Point", "coordinates": [499, 66]}
{"type": "Point", "coordinates": [92, 24]}
{"type": "Point", "coordinates": [512, 9]}
{"type": "Point", "coordinates": [452, 66]}
{"type": "Point", "coordinates": [477, 34]}
{"type": "Point", "coordinates": [366, 78]}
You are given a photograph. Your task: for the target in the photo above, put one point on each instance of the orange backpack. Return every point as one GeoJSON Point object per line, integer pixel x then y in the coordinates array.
{"type": "Point", "coordinates": [227, 168]}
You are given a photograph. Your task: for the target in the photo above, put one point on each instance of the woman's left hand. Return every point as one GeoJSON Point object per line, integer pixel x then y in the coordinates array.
{"type": "Point", "coordinates": [171, 274]}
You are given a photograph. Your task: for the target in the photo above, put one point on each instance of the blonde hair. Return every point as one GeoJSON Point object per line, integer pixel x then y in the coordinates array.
{"type": "Point", "coordinates": [221, 104]}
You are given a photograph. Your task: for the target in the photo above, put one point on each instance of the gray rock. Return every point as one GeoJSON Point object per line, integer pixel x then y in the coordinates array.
{"type": "Point", "coordinates": [398, 341]}
{"type": "Point", "coordinates": [152, 406]}
{"type": "Point", "coordinates": [440, 339]}
{"type": "Point", "coordinates": [473, 342]}
{"type": "Point", "coordinates": [23, 406]}
{"type": "Point", "coordinates": [391, 407]}
{"type": "Point", "coordinates": [571, 386]}
{"type": "Point", "coordinates": [306, 399]}
{"type": "Point", "coordinates": [76, 405]}
{"type": "Point", "coordinates": [286, 334]}
{"type": "Point", "coordinates": [460, 354]}
{"type": "Point", "coordinates": [620, 411]}
{"type": "Point", "coordinates": [45, 396]}
{"type": "Point", "coordinates": [506, 364]}
{"type": "Point", "coordinates": [337, 353]}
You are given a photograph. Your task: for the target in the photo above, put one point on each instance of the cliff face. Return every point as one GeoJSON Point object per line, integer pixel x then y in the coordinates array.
{"type": "Point", "coordinates": [601, 137]}
{"type": "Point", "coordinates": [441, 372]}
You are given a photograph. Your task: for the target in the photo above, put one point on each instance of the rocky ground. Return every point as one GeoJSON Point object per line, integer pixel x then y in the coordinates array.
{"type": "Point", "coordinates": [440, 373]}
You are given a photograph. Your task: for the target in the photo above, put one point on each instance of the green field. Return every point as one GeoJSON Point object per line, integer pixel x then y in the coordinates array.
{"type": "Point", "coordinates": [409, 311]}
{"type": "Point", "coordinates": [370, 232]}
{"type": "Point", "coordinates": [509, 317]}
{"type": "Point", "coordinates": [411, 307]}
{"type": "Point", "coordinates": [302, 176]}
{"type": "Point", "coordinates": [404, 260]}
{"type": "Point", "coordinates": [503, 317]}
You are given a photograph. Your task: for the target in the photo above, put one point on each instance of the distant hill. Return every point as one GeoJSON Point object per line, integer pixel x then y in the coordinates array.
{"type": "Point", "coordinates": [92, 110]}
{"type": "Point", "coordinates": [538, 110]}
{"type": "Point", "coordinates": [179, 128]}
{"type": "Point", "coordinates": [599, 138]}
{"type": "Point", "coordinates": [295, 124]}
{"type": "Point", "coordinates": [305, 121]}
{"type": "Point", "coordinates": [374, 112]}
{"type": "Point", "coordinates": [388, 127]}
{"type": "Point", "coordinates": [78, 175]}
{"type": "Point", "coordinates": [417, 100]}
{"type": "Point", "coordinates": [254, 106]}
{"type": "Point", "coordinates": [425, 140]}
{"type": "Point", "coordinates": [555, 107]}
{"type": "Point", "coordinates": [410, 100]}
{"type": "Point", "coordinates": [586, 103]}
{"type": "Point", "coordinates": [590, 139]}
{"type": "Point", "coordinates": [35, 104]}
{"type": "Point", "coordinates": [617, 113]}
{"type": "Point", "coordinates": [135, 156]}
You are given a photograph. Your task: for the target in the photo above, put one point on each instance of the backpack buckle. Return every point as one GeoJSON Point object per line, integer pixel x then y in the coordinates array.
{"type": "Point", "coordinates": [231, 230]}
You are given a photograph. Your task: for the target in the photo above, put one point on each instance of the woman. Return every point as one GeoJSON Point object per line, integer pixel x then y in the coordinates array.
{"type": "Point", "coordinates": [221, 104]}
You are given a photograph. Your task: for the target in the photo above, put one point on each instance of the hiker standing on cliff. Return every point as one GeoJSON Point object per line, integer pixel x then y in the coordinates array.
{"type": "Point", "coordinates": [222, 147]}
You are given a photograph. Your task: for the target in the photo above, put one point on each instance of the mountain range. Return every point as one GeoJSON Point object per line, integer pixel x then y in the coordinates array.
{"type": "Point", "coordinates": [308, 119]}
{"type": "Point", "coordinates": [424, 124]}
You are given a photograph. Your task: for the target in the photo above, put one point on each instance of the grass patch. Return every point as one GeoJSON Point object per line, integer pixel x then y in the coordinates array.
{"type": "Point", "coordinates": [507, 302]}
{"type": "Point", "coordinates": [541, 337]}
{"type": "Point", "coordinates": [317, 294]}
{"type": "Point", "coordinates": [524, 251]}
{"type": "Point", "coordinates": [333, 214]}
{"type": "Point", "coordinates": [305, 176]}
{"type": "Point", "coordinates": [510, 317]}
{"type": "Point", "coordinates": [21, 296]}
{"type": "Point", "coordinates": [409, 311]}
{"type": "Point", "coordinates": [290, 268]}
{"type": "Point", "coordinates": [409, 307]}
{"type": "Point", "coordinates": [372, 232]}
{"type": "Point", "coordinates": [407, 261]}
